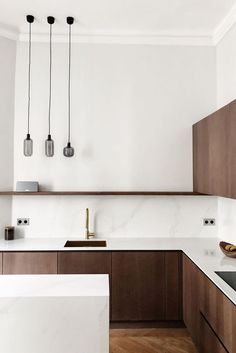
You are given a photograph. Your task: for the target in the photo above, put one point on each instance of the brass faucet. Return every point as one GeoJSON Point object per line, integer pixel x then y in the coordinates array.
{"type": "Point", "coordinates": [88, 234]}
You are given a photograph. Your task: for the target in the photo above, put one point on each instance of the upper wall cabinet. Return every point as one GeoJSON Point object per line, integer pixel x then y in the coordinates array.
{"type": "Point", "coordinates": [214, 153]}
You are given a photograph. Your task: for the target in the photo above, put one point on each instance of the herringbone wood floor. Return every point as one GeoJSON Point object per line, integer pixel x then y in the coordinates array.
{"type": "Point", "coordinates": [151, 341]}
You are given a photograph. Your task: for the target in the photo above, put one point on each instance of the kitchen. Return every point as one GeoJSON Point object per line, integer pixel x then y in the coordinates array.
{"type": "Point", "coordinates": [140, 97]}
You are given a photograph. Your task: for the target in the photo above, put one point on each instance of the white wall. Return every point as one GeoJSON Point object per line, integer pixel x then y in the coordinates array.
{"type": "Point", "coordinates": [226, 68]}
{"type": "Point", "coordinates": [226, 92]}
{"type": "Point", "coordinates": [133, 108]}
{"type": "Point", "coordinates": [7, 79]}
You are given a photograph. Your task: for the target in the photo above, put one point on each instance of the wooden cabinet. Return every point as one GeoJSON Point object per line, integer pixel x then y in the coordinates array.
{"type": "Point", "coordinates": [209, 342]}
{"type": "Point", "coordinates": [0, 263]}
{"type": "Point", "coordinates": [143, 288]}
{"type": "Point", "coordinates": [208, 314]}
{"type": "Point", "coordinates": [84, 262]}
{"type": "Point", "coordinates": [191, 298]}
{"type": "Point", "coordinates": [29, 263]}
{"type": "Point", "coordinates": [214, 153]}
{"type": "Point", "coordinates": [173, 286]}
{"type": "Point", "coordinates": [219, 312]}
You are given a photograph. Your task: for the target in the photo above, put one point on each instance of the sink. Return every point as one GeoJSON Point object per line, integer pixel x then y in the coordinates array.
{"type": "Point", "coordinates": [229, 277]}
{"type": "Point", "coordinates": [85, 243]}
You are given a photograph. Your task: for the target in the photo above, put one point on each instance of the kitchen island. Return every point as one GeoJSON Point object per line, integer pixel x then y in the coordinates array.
{"type": "Point", "coordinates": [54, 313]}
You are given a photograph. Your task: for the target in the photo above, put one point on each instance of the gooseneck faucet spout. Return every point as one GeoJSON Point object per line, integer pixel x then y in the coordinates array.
{"type": "Point", "coordinates": [88, 234]}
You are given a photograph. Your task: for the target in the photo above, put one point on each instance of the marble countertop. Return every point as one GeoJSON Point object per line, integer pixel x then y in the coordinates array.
{"type": "Point", "coordinates": [204, 252]}
{"type": "Point", "coordinates": [54, 286]}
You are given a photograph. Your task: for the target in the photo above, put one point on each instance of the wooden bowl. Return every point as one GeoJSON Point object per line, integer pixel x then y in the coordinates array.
{"type": "Point", "coordinates": [226, 252]}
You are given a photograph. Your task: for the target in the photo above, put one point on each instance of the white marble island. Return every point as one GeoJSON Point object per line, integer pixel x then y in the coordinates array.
{"type": "Point", "coordinates": [54, 314]}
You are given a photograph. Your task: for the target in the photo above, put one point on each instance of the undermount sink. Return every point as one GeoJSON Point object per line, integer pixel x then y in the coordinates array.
{"type": "Point", "coordinates": [85, 243]}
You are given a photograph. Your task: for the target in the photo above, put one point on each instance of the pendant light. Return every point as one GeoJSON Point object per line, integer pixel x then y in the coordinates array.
{"type": "Point", "coordinates": [68, 151]}
{"type": "Point", "coordinates": [28, 143]}
{"type": "Point", "coordinates": [49, 143]}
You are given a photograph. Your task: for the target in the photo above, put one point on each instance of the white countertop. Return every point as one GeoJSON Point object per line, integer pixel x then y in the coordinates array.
{"type": "Point", "coordinates": [204, 252]}
{"type": "Point", "coordinates": [15, 286]}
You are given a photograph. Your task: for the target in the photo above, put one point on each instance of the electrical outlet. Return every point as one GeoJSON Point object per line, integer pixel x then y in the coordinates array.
{"type": "Point", "coordinates": [209, 221]}
{"type": "Point", "coordinates": [23, 221]}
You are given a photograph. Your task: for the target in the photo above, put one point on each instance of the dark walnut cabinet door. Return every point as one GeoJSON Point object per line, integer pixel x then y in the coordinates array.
{"type": "Point", "coordinates": [219, 312]}
{"type": "Point", "coordinates": [173, 286]}
{"type": "Point", "coordinates": [191, 312]}
{"type": "Point", "coordinates": [209, 342]}
{"type": "Point", "coordinates": [84, 262]}
{"type": "Point", "coordinates": [143, 289]}
{"type": "Point", "coordinates": [29, 263]}
{"type": "Point", "coordinates": [1, 263]}
{"type": "Point", "coordinates": [214, 153]}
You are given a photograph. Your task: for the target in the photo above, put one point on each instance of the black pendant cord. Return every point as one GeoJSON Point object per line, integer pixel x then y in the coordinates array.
{"type": "Point", "coordinates": [29, 80]}
{"type": "Point", "coordinates": [69, 88]}
{"type": "Point", "coordinates": [50, 83]}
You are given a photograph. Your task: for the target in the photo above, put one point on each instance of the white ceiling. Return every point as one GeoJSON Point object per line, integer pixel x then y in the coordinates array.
{"type": "Point", "coordinates": [120, 17]}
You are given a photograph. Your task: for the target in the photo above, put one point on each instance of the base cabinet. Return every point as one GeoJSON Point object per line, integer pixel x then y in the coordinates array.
{"type": "Point", "coordinates": [209, 342]}
{"type": "Point", "coordinates": [191, 298]}
{"type": "Point", "coordinates": [219, 311]}
{"type": "Point", "coordinates": [146, 286]}
{"type": "Point", "coordinates": [208, 314]}
{"type": "Point", "coordinates": [84, 262]}
{"type": "Point", "coordinates": [29, 263]}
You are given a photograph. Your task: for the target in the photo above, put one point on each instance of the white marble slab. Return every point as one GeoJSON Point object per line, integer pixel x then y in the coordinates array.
{"type": "Point", "coordinates": [54, 314]}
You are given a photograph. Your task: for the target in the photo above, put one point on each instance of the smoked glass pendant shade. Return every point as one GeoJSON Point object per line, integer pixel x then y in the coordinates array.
{"type": "Point", "coordinates": [68, 151]}
{"type": "Point", "coordinates": [28, 142]}
{"type": "Point", "coordinates": [49, 147]}
{"type": "Point", "coordinates": [28, 146]}
{"type": "Point", "coordinates": [49, 143]}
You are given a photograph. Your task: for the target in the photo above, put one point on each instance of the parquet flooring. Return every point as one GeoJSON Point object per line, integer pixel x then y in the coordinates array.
{"type": "Point", "coordinates": [159, 340]}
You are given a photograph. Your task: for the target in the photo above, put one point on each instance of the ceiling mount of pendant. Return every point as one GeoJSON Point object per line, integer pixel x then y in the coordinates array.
{"type": "Point", "coordinates": [70, 20]}
{"type": "Point", "coordinates": [30, 18]}
{"type": "Point", "coordinates": [51, 20]}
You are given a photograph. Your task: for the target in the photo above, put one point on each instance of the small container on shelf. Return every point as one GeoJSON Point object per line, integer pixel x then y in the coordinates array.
{"type": "Point", "coordinates": [9, 233]}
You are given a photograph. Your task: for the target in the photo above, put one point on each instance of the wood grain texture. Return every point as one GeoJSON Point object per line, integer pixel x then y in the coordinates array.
{"type": "Point", "coordinates": [151, 341]}
{"type": "Point", "coordinates": [173, 289]}
{"type": "Point", "coordinates": [138, 286]}
{"type": "Point", "coordinates": [191, 312]}
{"type": "Point", "coordinates": [30, 263]}
{"type": "Point", "coordinates": [214, 153]}
{"type": "Point", "coordinates": [84, 262]}
{"type": "Point", "coordinates": [201, 158]}
{"type": "Point", "coordinates": [219, 311]}
{"type": "Point", "coordinates": [1, 255]}
{"type": "Point", "coordinates": [209, 341]}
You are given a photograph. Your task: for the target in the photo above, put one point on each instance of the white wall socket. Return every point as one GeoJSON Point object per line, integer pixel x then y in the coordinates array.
{"type": "Point", "coordinates": [23, 221]}
{"type": "Point", "coordinates": [209, 221]}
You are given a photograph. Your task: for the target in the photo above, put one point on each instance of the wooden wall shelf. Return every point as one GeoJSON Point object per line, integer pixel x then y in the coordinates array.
{"type": "Point", "coordinates": [101, 193]}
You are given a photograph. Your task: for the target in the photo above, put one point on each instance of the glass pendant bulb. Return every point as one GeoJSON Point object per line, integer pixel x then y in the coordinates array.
{"type": "Point", "coordinates": [28, 143]}
{"type": "Point", "coordinates": [49, 143]}
{"type": "Point", "coordinates": [28, 146]}
{"type": "Point", "coordinates": [49, 147]}
{"type": "Point", "coordinates": [68, 151]}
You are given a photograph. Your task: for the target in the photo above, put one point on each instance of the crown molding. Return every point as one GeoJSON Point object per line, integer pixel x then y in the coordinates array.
{"type": "Point", "coordinates": [126, 38]}
{"type": "Point", "coordinates": [226, 24]}
{"type": "Point", "coordinates": [144, 38]}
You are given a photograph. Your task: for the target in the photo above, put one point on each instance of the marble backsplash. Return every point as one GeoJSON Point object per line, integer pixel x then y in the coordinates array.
{"type": "Point", "coordinates": [119, 216]}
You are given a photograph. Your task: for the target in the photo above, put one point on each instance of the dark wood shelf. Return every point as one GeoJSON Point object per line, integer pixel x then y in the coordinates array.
{"type": "Point", "coordinates": [100, 193]}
